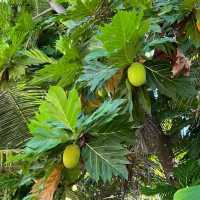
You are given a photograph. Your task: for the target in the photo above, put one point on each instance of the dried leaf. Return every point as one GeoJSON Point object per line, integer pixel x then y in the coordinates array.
{"type": "Point", "coordinates": [44, 189]}
{"type": "Point", "coordinates": [181, 64]}
{"type": "Point", "coordinates": [113, 83]}
{"type": "Point", "coordinates": [91, 103]}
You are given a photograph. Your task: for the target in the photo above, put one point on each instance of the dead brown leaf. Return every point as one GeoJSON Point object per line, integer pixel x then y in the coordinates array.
{"type": "Point", "coordinates": [181, 64]}
{"type": "Point", "coordinates": [113, 83]}
{"type": "Point", "coordinates": [44, 189]}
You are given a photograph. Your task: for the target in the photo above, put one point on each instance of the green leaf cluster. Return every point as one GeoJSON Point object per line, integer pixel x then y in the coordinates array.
{"type": "Point", "coordinates": [58, 121]}
{"type": "Point", "coordinates": [61, 71]}
{"type": "Point", "coordinates": [122, 38]}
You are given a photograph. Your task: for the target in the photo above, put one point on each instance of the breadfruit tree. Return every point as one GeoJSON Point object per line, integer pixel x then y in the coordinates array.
{"type": "Point", "coordinates": [99, 99]}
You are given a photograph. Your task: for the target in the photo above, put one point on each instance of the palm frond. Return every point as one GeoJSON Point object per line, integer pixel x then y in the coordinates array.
{"type": "Point", "coordinates": [17, 107]}
{"type": "Point", "coordinates": [39, 6]}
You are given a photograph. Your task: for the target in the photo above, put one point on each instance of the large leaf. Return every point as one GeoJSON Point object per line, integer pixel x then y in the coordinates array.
{"type": "Point", "coordinates": [56, 121]}
{"type": "Point", "coordinates": [80, 9]}
{"type": "Point", "coordinates": [159, 77]}
{"type": "Point", "coordinates": [193, 33]}
{"type": "Point", "coordinates": [163, 43]}
{"type": "Point", "coordinates": [60, 108]}
{"type": "Point", "coordinates": [164, 190]}
{"type": "Point", "coordinates": [189, 193]}
{"type": "Point", "coordinates": [23, 26]}
{"type": "Point", "coordinates": [95, 74]}
{"type": "Point", "coordinates": [45, 136]}
{"type": "Point", "coordinates": [104, 114]}
{"type": "Point", "coordinates": [38, 56]}
{"type": "Point", "coordinates": [65, 46]}
{"type": "Point", "coordinates": [11, 41]}
{"type": "Point", "coordinates": [122, 38]}
{"type": "Point", "coordinates": [104, 158]}
{"type": "Point", "coordinates": [62, 72]}
{"type": "Point", "coordinates": [120, 128]}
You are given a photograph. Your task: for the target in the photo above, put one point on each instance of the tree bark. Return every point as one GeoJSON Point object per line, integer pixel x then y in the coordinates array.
{"type": "Point", "coordinates": [158, 143]}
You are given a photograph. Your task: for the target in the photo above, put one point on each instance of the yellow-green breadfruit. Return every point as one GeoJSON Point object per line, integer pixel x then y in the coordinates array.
{"type": "Point", "coordinates": [137, 74]}
{"type": "Point", "coordinates": [71, 156]}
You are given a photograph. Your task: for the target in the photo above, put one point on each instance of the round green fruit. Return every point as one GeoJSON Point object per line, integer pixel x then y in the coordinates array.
{"type": "Point", "coordinates": [137, 74]}
{"type": "Point", "coordinates": [71, 156]}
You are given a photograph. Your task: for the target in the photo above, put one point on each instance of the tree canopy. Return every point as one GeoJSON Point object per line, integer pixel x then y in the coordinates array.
{"type": "Point", "coordinates": [99, 99]}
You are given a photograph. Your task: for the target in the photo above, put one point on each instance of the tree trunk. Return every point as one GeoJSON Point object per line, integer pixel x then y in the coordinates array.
{"type": "Point", "coordinates": [158, 143]}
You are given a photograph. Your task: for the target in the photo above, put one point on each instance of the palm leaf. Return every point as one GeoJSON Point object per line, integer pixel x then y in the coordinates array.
{"type": "Point", "coordinates": [39, 6]}
{"type": "Point", "coordinates": [17, 107]}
